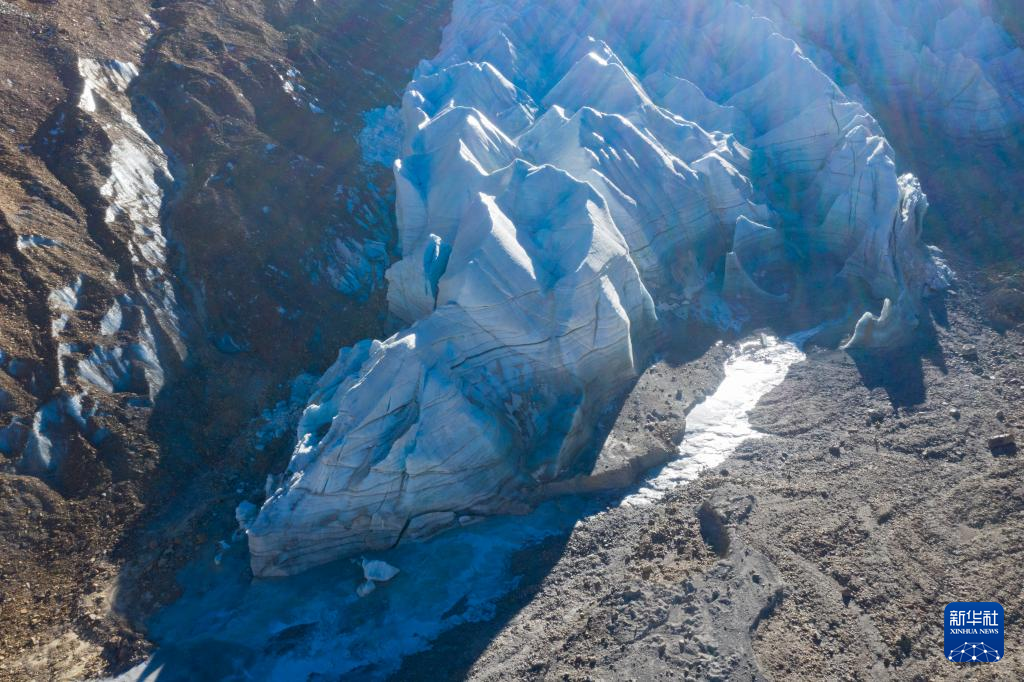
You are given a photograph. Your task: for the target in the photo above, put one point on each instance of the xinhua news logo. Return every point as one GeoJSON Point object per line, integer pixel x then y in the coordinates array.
{"type": "Point", "coordinates": [974, 632]}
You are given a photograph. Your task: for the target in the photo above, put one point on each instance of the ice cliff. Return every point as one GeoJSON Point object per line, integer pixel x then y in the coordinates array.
{"type": "Point", "coordinates": [571, 174]}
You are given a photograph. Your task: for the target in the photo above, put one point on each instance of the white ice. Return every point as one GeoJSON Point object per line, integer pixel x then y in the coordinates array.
{"type": "Point", "coordinates": [134, 188]}
{"type": "Point", "coordinates": [949, 60]}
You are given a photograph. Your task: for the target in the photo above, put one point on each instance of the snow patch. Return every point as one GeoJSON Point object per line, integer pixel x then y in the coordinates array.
{"type": "Point", "coordinates": [134, 188]}
{"type": "Point", "coordinates": [63, 302]}
{"type": "Point", "coordinates": [26, 242]}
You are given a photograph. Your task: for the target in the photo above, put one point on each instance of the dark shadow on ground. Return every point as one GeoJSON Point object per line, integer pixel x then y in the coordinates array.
{"type": "Point", "coordinates": [900, 372]}
{"type": "Point", "coordinates": [451, 655]}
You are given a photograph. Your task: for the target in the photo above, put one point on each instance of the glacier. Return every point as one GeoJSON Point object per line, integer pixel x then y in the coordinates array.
{"type": "Point", "coordinates": [572, 176]}
{"type": "Point", "coordinates": [948, 62]}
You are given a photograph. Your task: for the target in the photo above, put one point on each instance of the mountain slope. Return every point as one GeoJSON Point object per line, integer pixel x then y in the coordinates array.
{"type": "Point", "coordinates": [187, 223]}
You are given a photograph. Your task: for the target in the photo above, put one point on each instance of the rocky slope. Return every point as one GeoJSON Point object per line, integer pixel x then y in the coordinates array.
{"type": "Point", "coordinates": [188, 222]}
{"type": "Point", "coordinates": [82, 272]}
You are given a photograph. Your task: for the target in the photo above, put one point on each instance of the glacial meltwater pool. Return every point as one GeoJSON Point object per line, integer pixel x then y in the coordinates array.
{"type": "Point", "coordinates": [227, 626]}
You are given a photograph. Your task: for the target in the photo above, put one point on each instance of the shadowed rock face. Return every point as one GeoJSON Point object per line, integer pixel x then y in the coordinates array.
{"type": "Point", "coordinates": [570, 179]}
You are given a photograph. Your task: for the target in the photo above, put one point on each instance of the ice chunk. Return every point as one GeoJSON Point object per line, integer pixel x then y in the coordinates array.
{"type": "Point", "coordinates": [378, 571]}
{"type": "Point", "coordinates": [374, 571]}
{"type": "Point", "coordinates": [245, 512]}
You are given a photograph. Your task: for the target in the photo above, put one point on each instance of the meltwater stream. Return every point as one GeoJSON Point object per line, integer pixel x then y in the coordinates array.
{"type": "Point", "coordinates": [227, 626]}
{"type": "Point", "coordinates": [715, 427]}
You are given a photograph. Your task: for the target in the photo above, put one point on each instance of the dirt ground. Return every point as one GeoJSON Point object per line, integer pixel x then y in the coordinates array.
{"type": "Point", "coordinates": [825, 550]}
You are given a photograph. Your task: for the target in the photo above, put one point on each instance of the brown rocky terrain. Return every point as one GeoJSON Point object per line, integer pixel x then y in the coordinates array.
{"type": "Point", "coordinates": [55, 542]}
{"type": "Point", "coordinates": [273, 221]}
